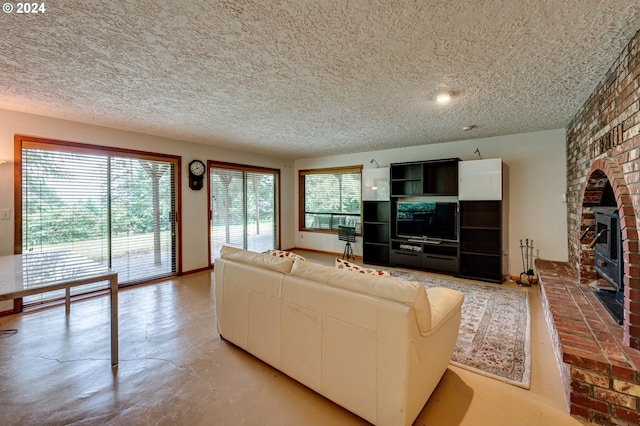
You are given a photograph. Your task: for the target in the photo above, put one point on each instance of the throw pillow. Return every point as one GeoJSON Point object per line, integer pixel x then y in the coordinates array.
{"type": "Point", "coordinates": [285, 254]}
{"type": "Point", "coordinates": [348, 266]}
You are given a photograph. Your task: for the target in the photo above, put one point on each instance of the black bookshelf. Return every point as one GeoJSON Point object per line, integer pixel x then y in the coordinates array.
{"type": "Point", "coordinates": [480, 240]}
{"type": "Point", "coordinates": [376, 232]}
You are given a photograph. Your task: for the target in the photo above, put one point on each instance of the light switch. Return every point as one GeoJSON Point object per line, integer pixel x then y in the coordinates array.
{"type": "Point", "coordinates": [5, 214]}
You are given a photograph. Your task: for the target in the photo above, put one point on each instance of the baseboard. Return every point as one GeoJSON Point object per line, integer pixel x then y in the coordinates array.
{"type": "Point", "coordinates": [194, 271]}
{"type": "Point", "coordinates": [17, 308]}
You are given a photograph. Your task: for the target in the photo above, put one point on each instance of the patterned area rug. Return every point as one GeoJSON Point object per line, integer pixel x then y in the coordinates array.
{"type": "Point", "coordinates": [495, 330]}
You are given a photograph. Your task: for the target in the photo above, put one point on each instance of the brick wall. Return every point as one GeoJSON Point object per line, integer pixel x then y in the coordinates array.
{"type": "Point", "coordinates": [603, 145]}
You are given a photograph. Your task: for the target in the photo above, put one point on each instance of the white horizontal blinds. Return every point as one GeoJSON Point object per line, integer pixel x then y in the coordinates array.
{"type": "Point", "coordinates": [63, 203]}
{"type": "Point", "coordinates": [114, 209]}
{"type": "Point", "coordinates": [142, 242]}
{"type": "Point", "coordinates": [261, 212]}
{"type": "Point", "coordinates": [331, 198]}
{"type": "Point", "coordinates": [244, 210]}
{"type": "Point", "coordinates": [64, 208]}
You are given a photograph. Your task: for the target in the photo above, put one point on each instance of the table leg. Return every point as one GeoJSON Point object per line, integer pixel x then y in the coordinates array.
{"type": "Point", "coordinates": [67, 300]}
{"type": "Point", "coordinates": [114, 321]}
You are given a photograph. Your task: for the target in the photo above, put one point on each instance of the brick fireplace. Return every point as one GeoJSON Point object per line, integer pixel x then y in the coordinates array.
{"type": "Point", "coordinates": [603, 169]}
{"type": "Point", "coordinates": [599, 359]}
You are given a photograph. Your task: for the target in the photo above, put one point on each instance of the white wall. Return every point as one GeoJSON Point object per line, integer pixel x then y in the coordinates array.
{"type": "Point", "coordinates": [193, 203]}
{"type": "Point", "coordinates": [535, 180]}
{"type": "Point", "coordinates": [535, 166]}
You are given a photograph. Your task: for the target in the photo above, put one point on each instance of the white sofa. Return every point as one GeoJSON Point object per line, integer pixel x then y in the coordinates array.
{"type": "Point", "coordinates": [374, 345]}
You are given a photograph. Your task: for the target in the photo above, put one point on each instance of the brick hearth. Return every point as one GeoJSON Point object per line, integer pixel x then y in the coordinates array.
{"type": "Point", "coordinates": [599, 373]}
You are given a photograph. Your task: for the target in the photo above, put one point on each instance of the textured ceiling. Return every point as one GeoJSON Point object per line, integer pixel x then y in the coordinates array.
{"type": "Point", "coordinates": [300, 79]}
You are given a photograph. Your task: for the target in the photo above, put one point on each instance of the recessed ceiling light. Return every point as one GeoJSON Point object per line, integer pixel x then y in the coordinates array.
{"type": "Point", "coordinates": [467, 128]}
{"type": "Point", "coordinates": [444, 97]}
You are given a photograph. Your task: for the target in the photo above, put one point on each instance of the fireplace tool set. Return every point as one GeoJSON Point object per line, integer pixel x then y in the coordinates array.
{"type": "Point", "coordinates": [526, 276]}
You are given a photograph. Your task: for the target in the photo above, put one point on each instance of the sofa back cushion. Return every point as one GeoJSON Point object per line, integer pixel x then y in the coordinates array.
{"type": "Point", "coordinates": [407, 292]}
{"type": "Point", "coordinates": [273, 263]}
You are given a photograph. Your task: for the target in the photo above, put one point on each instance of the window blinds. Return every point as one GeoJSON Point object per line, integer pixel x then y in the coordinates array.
{"type": "Point", "coordinates": [118, 210]}
{"type": "Point", "coordinates": [330, 198]}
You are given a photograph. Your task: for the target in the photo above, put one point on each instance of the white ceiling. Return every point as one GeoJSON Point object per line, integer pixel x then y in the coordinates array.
{"type": "Point", "coordinates": [299, 79]}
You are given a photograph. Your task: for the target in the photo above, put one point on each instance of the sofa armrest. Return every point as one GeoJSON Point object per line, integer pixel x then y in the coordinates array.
{"type": "Point", "coordinates": [445, 303]}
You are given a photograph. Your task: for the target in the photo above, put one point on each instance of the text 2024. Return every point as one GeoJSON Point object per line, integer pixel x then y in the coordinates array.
{"type": "Point", "coordinates": [30, 8]}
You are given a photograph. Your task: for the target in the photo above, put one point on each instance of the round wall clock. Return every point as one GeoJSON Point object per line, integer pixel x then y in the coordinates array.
{"type": "Point", "coordinates": [197, 171]}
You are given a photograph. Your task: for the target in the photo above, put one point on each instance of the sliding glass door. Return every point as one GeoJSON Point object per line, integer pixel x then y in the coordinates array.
{"type": "Point", "coordinates": [143, 243]}
{"type": "Point", "coordinates": [117, 208]}
{"type": "Point", "coordinates": [243, 207]}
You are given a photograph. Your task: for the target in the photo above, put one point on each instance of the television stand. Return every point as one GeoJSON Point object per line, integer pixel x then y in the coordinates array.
{"type": "Point", "coordinates": [434, 255]}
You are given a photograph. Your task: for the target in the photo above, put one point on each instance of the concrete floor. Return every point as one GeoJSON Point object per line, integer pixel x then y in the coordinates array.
{"type": "Point", "coordinates": [174, 370]}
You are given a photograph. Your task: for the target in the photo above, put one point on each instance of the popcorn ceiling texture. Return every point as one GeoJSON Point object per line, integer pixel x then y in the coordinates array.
{"type": "Point", "coordinates": [298, 79]}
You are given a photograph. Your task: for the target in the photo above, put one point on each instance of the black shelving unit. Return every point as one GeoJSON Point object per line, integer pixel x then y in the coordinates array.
{"type": "Point", "coordinates": [433, 178]}
{"type": "Point", "coordinates": [406, 179]}
{"type": "Point", "coordinates": [480, 239]}
{"type": "Point", "coordinates": [440, 256]}
{"type": "Point", "coordinates": [376, 232]}
{"type": "Point", "coordinates": [436, 177]}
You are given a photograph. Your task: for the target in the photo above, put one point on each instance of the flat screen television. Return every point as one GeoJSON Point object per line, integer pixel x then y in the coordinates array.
{"type": "Point", "coordinates": [427, 219]}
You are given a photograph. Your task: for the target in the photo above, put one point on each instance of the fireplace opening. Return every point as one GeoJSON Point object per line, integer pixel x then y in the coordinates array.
{"type": "Point", "coordinates": [608, 262]}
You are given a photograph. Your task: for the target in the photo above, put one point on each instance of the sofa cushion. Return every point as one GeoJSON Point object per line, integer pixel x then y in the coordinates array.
{"type": "Point", "coordinates": [277, 264]}
{"type": "Point", "coordinates": [407, 292]}
{"type": "Point", "coordinates": [282, 253]}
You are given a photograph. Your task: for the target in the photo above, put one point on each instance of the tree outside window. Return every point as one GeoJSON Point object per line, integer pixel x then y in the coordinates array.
{"type": "Point", "coordinates": [330, 198]}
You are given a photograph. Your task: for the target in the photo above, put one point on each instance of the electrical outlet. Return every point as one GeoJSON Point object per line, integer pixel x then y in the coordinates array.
{"type": "Point", "coordinates": [5, 214]}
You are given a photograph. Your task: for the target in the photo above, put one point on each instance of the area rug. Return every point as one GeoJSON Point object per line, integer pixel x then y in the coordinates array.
{"type": "Point", "coordinates": [495, 330]}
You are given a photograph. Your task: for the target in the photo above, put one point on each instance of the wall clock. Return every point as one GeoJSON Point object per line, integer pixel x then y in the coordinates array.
{"type": "Point", "coordinates": [197, 170]}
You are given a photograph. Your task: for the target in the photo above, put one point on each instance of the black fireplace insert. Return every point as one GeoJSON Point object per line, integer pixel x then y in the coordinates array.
{"type": "Point", "coordinates": [608, 261]}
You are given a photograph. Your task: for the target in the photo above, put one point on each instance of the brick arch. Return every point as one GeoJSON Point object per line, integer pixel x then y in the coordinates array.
{"type": "Point", "coordinates": [605, 170]}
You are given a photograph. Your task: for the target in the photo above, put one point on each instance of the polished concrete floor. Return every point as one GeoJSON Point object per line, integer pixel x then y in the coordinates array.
{"type": "Point", "coordinates": [175, 370]}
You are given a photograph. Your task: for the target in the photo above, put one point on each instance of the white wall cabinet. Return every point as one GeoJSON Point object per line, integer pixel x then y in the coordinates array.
{"type": "Point", "coordinates": [375, 184]}
{"type": "Point", "coordinates": [480, 195]}
{"type": "Point", "coordinates": [480, 180]}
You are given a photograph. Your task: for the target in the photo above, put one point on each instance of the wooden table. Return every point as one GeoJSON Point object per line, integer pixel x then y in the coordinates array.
{"type": "Point", "coordinates": [27, 274]}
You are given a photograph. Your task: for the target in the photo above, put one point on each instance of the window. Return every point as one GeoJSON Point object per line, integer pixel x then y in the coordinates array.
{"type": "Point", "coordinates": [244, 207]}
{"type": "Point", "coordinates": [116, 207]}
{"type": "Point", "coordinates": [330, 198]}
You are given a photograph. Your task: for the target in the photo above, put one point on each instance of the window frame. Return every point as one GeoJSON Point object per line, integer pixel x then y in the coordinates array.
{"type": "Point", "coordinates": [251, 169]}
{"type": "Point", "coordinates": [301, 195]}
{"type": "Point", "coordinates": [23, 141]}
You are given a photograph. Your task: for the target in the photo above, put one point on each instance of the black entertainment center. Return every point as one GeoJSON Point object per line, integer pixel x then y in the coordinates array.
{"type": "Point", "coordinates": [424, 225]}
{"type": "Point", "coordinates": [424, 231]}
